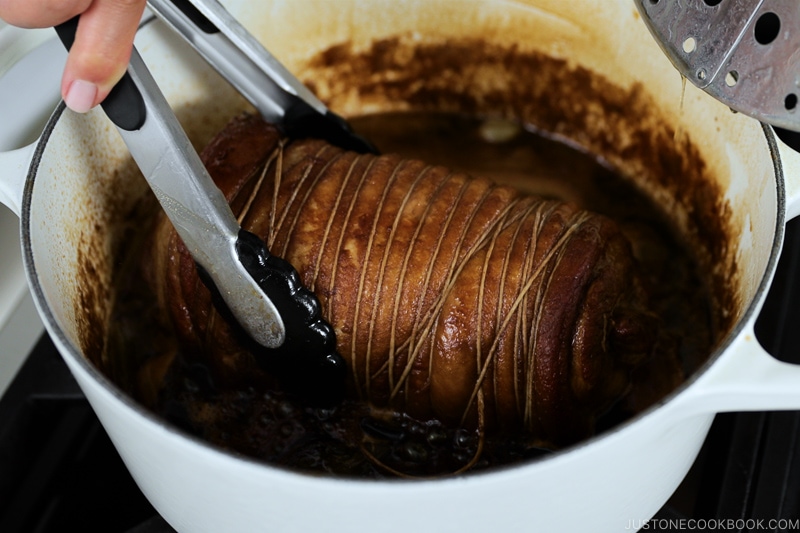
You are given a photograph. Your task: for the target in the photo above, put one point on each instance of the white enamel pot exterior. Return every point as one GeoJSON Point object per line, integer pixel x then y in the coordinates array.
{"type": "Point", "coordinates": [74, 187]}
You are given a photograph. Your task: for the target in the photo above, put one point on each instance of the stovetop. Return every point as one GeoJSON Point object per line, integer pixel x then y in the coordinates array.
{"type": "Point", "coordinates": [58, 469]}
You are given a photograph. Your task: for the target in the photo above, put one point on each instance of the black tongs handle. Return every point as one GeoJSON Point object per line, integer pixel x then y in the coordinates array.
{"type": "Point", "coordinates": [124, 105]}
{"type": "Point", "coordinates": [279, 97]}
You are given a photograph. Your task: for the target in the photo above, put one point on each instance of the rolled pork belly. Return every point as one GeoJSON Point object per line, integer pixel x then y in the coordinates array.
{"type": "Point", "coordinates": [452, 298]}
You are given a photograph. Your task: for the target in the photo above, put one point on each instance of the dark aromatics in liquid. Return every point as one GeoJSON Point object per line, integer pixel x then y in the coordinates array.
{"type": "Point", "coordinates": [354, 439]}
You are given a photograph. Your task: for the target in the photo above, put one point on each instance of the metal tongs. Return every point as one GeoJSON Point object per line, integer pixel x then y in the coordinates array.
{"type": "Point", "coordinates": [237, 56]}
{"type": "Point", "coordinates": [744, 53]}
{"type": "Point", "coordinates": [262, 292]}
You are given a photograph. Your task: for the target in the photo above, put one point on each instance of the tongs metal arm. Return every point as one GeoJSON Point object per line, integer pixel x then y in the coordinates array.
{"type": "Point", "coordinates": [196, 207]}
{"type": "Point", "coordinates": [262, 292]}
{"type": "Point", "coordinates": [279, 97]}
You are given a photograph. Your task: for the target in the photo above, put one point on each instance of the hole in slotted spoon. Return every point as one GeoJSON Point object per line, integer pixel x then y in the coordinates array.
{"type": "Point", "coordinates": [768, 26]}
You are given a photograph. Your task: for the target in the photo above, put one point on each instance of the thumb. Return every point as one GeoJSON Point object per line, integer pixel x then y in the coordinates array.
{"type": "Point", "coordinates": [101, 51]}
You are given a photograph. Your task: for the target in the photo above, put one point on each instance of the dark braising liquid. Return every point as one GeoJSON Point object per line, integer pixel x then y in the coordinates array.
{"type": "Point", "coordinates": [352, 439]}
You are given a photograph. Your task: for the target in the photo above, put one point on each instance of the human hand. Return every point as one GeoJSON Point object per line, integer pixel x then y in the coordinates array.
{"type": "Point", "coordinates": [102, 47]}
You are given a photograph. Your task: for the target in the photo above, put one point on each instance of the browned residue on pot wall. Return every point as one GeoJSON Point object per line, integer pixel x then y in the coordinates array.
{"type": "Point", "coordinates": [106, 238]}
{"type": "Point", "coordinates": [93, 301]}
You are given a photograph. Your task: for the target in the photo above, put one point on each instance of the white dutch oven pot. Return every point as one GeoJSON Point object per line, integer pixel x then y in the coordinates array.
{"type": "Point", "coordinates": [75, 187]}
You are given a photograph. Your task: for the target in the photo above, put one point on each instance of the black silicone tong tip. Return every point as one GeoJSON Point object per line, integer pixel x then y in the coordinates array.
{"type": "Point", "coordinates": [307, 363]}
{"type": "Point", "coordinates": [307, 360]}
{"type": "Point", "coordinates": [330, 127]}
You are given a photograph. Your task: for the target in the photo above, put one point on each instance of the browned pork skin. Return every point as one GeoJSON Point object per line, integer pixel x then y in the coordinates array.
{"type": "Point", "coordinates": [451, 297]}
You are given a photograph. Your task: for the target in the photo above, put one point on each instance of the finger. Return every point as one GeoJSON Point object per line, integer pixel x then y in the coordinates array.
{"type": "Point", "coordinates": [40, 13]}
{"type": "Point", "coordinates": [101, 51]}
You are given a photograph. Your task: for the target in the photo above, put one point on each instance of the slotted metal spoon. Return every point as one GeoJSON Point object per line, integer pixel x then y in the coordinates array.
{"type": "Point", "coordinates": [744, 53]}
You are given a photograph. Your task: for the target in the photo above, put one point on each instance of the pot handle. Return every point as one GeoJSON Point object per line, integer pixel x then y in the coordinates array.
{"type": "Point", "coordinates": [34, 60]}
{"type": "Point", "coordinates": [13, 174]}
{"type": "Point", "coordinates": [745, 378]}
{"type": "Point", "coordinates": [790, 161]}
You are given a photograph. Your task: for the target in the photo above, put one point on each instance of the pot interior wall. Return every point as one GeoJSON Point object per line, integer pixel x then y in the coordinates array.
{"type": "Point", "coordinates": [585, 72]}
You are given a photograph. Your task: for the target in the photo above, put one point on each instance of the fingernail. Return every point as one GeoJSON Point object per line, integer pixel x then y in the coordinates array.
{"type": "Point", "coordinates": [80, 96]}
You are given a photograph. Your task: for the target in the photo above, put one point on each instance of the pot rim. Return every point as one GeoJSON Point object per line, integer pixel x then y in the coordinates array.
{"type": "Point", "coordinates": [68, 349]}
